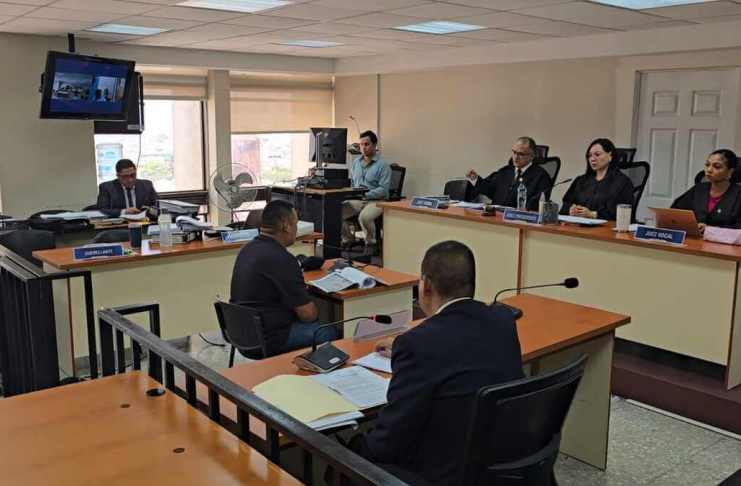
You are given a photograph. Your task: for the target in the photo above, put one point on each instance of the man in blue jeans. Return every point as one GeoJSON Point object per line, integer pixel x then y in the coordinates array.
{"type": "Point", "coordinates": [267, 276]}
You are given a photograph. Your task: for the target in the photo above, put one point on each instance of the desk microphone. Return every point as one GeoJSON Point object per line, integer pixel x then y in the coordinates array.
{"type": "Point", "coordinates": [328, 357]}
{"type": "Point", "coordinates": [569, 283]}
{"type": "Point", "coordinates": [347, 261]}
{"type": "Point", "coordinates": [549, 188]}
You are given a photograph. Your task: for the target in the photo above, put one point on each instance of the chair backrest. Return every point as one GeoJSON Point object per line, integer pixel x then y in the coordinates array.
{"type": "Point", "coordinates": [112, 236]}
{"type": "Point", "coordinates": [515, 428]}
{"type": "Point", "coordinates": [552, 165]}
{"type": "Point", "coordinates": [397, 182]}
{"type": "Point", "coordinates": [456, 189]}
{"type": "Point", "coordinates": [541, 151]}
{"type": "Point", "coordinates": [624, 156]}
{"type": "Point", "coordinates": [241, 326]}
{"type": "Point", "coordinates": [91, 207]}
{"type": "Point", "coordinates": [638, 173]}
{"type": "Point", "coordinates": [24, 242]}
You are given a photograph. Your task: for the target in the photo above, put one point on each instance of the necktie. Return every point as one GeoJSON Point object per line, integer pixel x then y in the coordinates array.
{"type": "Point", "coordinates": [518, 178]}
{"type": "Point", "coordinates": [130, 198]}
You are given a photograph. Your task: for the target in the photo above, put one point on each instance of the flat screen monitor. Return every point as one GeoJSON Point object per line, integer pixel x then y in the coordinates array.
{"type": "Point", "coordinates": [328, 145]}
{"type": "Point", "coordinates": [85, 87]}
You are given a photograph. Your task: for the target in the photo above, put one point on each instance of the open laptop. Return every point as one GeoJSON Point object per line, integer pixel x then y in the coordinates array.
{"type": "Point", "coordinates": [677, 219]}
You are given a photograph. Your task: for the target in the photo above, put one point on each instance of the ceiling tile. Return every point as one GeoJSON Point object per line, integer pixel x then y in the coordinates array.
{"type": "Point", "coordinates": [222, 31]}
{"type": "Point", "coordinates": [187, 13]}
{"type": "Point", "coordinates": [724, 18]}
{"type": "Point", "coordinates": [381, 20]}
{"type": "Point", "coordinates": [228, 44]}
{"type": "Point", "coordinates": [43, 26]}
{"type": "Point", "coordinates": [5, 18]}
{"type": "Point", "coordinates": [558, 28]}
{"type": "Point", "coordinates": [507, 4]}
{"type": "Point", "coordinates": [111, 6]}
{"type": "Point", "coordinates": [331, 28]}
{"type": "Point", "coordinates": [160, 22]}
{"type": "Point", "coordinates": [440, 11]}
{"type": "Point", "coordinates": [658, 25]}
{"type": "Point", "coordinates": [313, 12]}
{"type": "Point", "coordinates": [14, 10]}
{"type": "Point", "coordinates": [65, 14]}
{"type": "Point", "coordinates": [103, 37]}
{"type": "Point", "coordinates": [591, 14]}
{"type": "Point", "coordinates": [500, 19]}
{"type": "Point", "coordinates": [30, 2]}
{"type": "Point", "coordinates": [407, 36]}
{"type": "Point", "coordinates": [499, 35]}
{"type": "Point", "coordinates": [697, 11]}
{"type": "Point", "coordinates": [371, 6]}
{"type": "Point", "coordinates": [269, 22]}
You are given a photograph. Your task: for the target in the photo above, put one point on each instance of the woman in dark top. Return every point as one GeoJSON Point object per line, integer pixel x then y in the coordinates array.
{"type": "Point", "coordinates": [597, 193]}
{"type": "Point", "coordinates": [715, 200]}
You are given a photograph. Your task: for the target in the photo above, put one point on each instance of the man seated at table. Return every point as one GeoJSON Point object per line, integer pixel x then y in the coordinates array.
{"type": "Point", "coordinates": [372, 172]}
{"type": "Point", "coordinates": [438, 367]}
{"type": "Point", "coordinates": [501, 186]}
{"type": "Point", "coordinates": [126, 194]}
{"type": "Point", "coordinates": [267, 276]}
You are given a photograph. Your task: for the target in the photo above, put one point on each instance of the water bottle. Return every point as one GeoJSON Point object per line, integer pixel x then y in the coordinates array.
{"type": "Point", "coordinates": [522, 197]}
{"type": "Point", "coordinates": [163, 221]}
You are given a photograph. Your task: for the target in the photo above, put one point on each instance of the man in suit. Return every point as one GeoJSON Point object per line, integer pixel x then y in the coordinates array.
{"type": "Point", "coordinates": [501, 186]}
{"type": "Point", "coordinates": [438, 367]}
{"type": "Point", "coordinates": [126, 194]}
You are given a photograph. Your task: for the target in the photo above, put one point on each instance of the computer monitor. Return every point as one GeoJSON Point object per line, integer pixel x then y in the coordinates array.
{"type": "Point", "coordinates": [328, 146]}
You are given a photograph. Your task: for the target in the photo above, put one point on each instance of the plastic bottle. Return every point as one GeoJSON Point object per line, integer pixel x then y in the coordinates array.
{"type": "Point", "coordinates": [522, 196]}
{"type": "Point", "coordinates": [163, 221]}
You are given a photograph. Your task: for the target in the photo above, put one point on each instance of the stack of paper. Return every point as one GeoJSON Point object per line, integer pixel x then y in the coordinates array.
{"type": "Point", "coordinates": [374, 361]}
{"type": "Point", "coordinates": [580, 220]}
{"type": "Point", "coordinates": [363, 388]}
{"type": "Point", "coordinates": [70, 216]}
{"type": "Point", "coordinates": [344, 279]}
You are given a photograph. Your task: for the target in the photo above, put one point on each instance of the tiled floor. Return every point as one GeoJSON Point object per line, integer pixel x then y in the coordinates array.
{"type": "Point", "coordinates": [646, 447]}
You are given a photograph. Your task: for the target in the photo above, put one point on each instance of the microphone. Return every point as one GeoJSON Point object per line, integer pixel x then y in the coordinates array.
{"type": "Point", "coordinates": [310, 263]}
{"type": "Point", "coordinates": [549, 188]}
{"type": "Point", "coordinates": [569, 283]}
{"type": "Point", "coordinates": [347, 261]}
{"type": "Point", "coordinates": [328, 357]}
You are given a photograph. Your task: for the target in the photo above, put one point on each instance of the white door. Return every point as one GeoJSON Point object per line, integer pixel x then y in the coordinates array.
{"type": "Point", "coordinates": [682, 117]}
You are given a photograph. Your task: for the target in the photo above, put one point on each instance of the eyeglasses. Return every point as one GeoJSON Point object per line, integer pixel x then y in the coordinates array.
{"type": "Point", "coordinates": [521, 154]}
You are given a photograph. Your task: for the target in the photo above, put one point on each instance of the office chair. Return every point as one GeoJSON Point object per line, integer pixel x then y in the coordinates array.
{"type": "Point", "coordinates": [457, 189]}
{"type": "Point", "coordinates": [25, 242]}
{"type": "Point", "coordinates": [91, 207]}
{"type": "Point", "coordinates": [112, 236]}
{"type": "Point", "coordinates": [624, 156]}
{"type": "Point", "coordinates": [541, 152]}
{"type": "Point", "coordinates": [242, 327]}
{"type": "Point", "coordinates": [396, 191]}
{"type": "Point", "coordinates": [552, 165]}
{"type": "Point", "coordinates": [515, 429]}
{"type": "Point", "coordinates": [638, 173]}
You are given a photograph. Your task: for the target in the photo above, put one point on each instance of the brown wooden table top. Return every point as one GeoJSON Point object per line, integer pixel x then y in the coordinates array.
{"type": "Point", "coordinates": [81, 434]}
{"type": "Point", "coordinates": [63, 258]}
{"type": "Point", "coordinates": [318, 192]}
{"type": "Point", "coordinates": [694, 246]}
{"type": "Point", "coordinates": [390, 280]}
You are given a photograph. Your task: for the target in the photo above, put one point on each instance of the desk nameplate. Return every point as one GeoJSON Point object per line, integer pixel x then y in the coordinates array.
{"type": "Point", "coordinates": [663, 235]}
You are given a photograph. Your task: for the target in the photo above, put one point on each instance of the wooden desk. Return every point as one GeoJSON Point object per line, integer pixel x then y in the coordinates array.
{"type": "Point", "coordinates": [394, 295]}
{"type": "Point", "coordinates": [552, 333]}
{"type": "Point", "coordinates": [681, 298]}
{"type": "Point", "coordinates": [323, 207]}
{"type": "Point", "coordinates": [82, 434]}
{"type": "Point", "coordinates": [185, 280]}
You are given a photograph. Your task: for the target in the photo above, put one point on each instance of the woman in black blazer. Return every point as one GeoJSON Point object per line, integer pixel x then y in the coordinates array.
{"type": "Point", "coordinates": [597, 193]}
{"type": "Point", "coordinates": [716, 201]}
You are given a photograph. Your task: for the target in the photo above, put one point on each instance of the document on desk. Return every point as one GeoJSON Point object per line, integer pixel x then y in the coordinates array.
{"type": "Point", "coordinates": [135, 217]}
{"type": "Point", "coordinates": [338, 420]}
{"type": "Point", "coordinates": [344, 279]}
{"type": "Point", "coordinates": [579, 220]}
{"type": "Point", "coordinates": [374, 361]}
{"type": "Point", "coordinates": [70, 215]}
{"type": "Point", "coordinates": [469, 205]}
{"type": "Point", "coordinates": [363, 388]}
{"type": "Point", "coordinates": [304, 399]}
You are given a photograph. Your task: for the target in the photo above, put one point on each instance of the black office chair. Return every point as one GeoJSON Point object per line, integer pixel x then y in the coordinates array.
{"type": "Point", "coordinates": [91, 207]}
{"type": "Point", "coordinates": [638, 173]}
{"type": "Point", "coordinates": [25, 242]}
{"type": "Point", "coordinates": [541, 152]}
{"type": "Point", "coordinates": [515, 429]}
{"type": "Point", "coordinates": [552, 165]}
{"type": "Point", "coordinates": [396, 191]}
{"type": "Point", "coordinates": [242, 327]}
{"type": "Point", "coordinates": [623, 156]}
{"type": "Point", "coordinates": [457, 189]}
{"type": "Point", "coordinates": [112, 236]}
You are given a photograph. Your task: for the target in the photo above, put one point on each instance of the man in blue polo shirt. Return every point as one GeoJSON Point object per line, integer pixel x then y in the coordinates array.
{"type": "Point", "coordinates": [374, 173]}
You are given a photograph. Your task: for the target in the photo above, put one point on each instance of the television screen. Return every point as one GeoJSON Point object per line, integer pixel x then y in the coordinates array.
{"type": "Point", "coordinates": [85, 87]}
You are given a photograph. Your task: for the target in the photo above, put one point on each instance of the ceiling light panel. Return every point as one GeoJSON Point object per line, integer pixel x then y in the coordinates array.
{"type": "Point", "coordinates": [644, 4]}
{"type": "Point", "coordinates": [243, 6]}
{"type": "Point", "coordinates": [127, 29]}
{"type": "Point", "coordinates": [439, 27]}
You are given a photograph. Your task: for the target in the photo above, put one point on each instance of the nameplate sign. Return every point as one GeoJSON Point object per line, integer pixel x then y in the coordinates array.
{"type": "Point", "coordinates": [521, 216]}
{"type": "Point", "coordinates": [647, 233]}
{"type": "Point", "coordinates": [98, 251]}
{"type": "Point", "coordinates": [239, 235]}
{"type": "Point", "coordinates": [425, 202]}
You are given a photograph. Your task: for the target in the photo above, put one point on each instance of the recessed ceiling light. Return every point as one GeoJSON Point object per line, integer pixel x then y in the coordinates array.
{"type": "Point", "coordinates": [127, 29]}
{"type": "Point", "coordinates": [643, 4]}
{"type": "Point", "coordinates": [311, 43]}
{"type": "Point", "coordinates": [439, 27]}
{"type": "Point", "coordinates": [244, 6]}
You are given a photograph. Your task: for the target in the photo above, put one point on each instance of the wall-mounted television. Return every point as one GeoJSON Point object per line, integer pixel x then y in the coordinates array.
{"type": "Point", "coordinates": [85, 87]}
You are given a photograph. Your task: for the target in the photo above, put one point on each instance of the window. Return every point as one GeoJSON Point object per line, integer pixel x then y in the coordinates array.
{"type": "Point", "coordinates": [169, 152]}
{"type": "Point", "coordinates": [272, 157]}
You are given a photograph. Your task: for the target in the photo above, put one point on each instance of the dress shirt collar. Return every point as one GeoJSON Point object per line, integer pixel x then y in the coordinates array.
{"type": "Point", "coordinates": [450, 302]}
{"type": "Point", "coordinates": [522, 171]}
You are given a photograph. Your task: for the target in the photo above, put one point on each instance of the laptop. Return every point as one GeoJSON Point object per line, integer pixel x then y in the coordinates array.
{"type": "Point", "coordinates": [676, 219]}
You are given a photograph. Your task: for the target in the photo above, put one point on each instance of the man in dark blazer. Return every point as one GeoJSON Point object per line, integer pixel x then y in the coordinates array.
{"type": "Point", "coordinates": [438, 367]}
{"type": "Point", "coordinates": [501, 186]}
{"type": "Point", "coordinates": [126, 194]}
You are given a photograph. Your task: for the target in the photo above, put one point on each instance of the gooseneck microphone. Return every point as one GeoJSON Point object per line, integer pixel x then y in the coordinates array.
{"type": "Point", "coordinates": [569, 283]}
{"type": "Point", "coordinates": [328, 357]}
{"type": "Point", "coordinates": [550, 187]}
